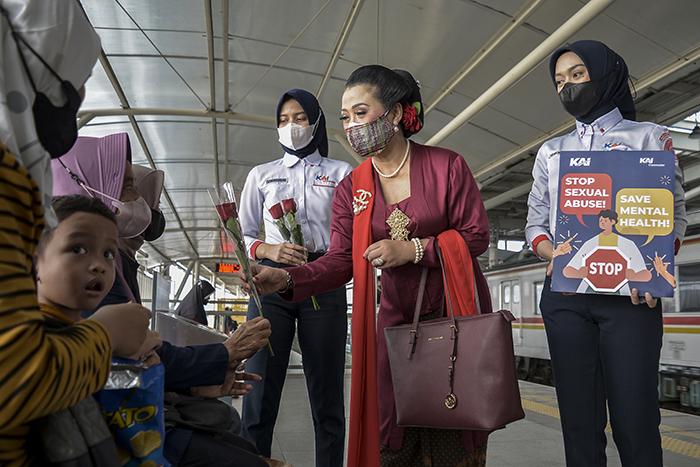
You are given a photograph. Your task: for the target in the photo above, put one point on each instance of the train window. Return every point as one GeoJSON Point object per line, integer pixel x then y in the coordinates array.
{"type": "Point", "coordinates": [516, 292]}
{"type": "Point", "coordinates": [505, 297]}
{"type": "Point", "coordinates": [539, 286]}
{"type": "Point", "coordinates": [689, 287]}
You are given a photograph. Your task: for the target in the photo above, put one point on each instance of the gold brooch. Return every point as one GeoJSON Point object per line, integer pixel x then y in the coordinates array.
{"type": "Point", "coordinates": [398, 222]}
{"type": "Point", "coordinates": [359, 203]}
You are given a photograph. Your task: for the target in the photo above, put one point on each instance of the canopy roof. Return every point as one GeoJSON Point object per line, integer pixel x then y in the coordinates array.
{"type": "Point", "coordinates": [195, 84]}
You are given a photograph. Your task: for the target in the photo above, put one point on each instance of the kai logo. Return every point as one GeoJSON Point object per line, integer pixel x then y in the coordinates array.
{"type": "Point", "coordinates": [646, 160]}
{"type": "Point", "coordinates": [580, 162]}
{"type": "Point", "coordinates": [615, 146]}
{"type": "Point", "coordinates": [124, 418]}
{"type": "Point", "coordinates": [324, 181]}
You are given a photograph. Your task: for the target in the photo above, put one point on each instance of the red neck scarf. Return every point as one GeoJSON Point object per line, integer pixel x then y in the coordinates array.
{"type": "Point", "coordinates": [363, 436]}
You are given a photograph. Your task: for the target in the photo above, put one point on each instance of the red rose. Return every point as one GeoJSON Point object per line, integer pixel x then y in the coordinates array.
{"type": "Point", "coordinates": [289, 205]}
{"type": "Point", "coordinates": [276, 211]}
{"type": "Point", "coordinates": [410, 119]}
{"type": "Point", "coordinates": [226, 211]}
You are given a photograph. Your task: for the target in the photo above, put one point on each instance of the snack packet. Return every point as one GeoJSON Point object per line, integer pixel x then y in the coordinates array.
{"type": "Point", "coordinates": [132, 405]}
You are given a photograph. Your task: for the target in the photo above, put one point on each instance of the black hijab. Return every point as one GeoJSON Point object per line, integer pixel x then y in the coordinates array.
{"type": "Point", "coordinates": [192, 306]}
{"type": "Point", "coordinates": [601, 62]}
{"type": "Point", "coordinates": [312, 109]}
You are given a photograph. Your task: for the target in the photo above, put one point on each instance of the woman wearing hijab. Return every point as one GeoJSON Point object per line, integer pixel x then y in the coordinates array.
{"type": "Point", "coordinates": [149, 184]}
{"type": "Point", "coordinates": [101, 168]}
{"type": "Point", "coordinates": [306, 175]}
{"type": "Point", "coordinates": [41, 373]}
{"type": "Point", "coordinates": [388, 214]}
{"type": "Point", "coordinates": [192, 306]}
{"type": "Point", "coordinates": [604, 348]}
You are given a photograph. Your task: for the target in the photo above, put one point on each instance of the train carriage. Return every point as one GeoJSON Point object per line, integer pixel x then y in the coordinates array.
{"type": "Point", "coordinates": [519, 287]}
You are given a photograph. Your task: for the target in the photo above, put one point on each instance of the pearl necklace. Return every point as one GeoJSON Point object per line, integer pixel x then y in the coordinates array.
{"type": "Point", "coordinates": [395, 172]}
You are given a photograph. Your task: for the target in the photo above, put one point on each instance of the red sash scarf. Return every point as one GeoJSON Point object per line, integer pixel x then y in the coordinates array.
{"type": "Point", "coordinates": [459, 270]}
{"type": "Point", "coordinates": [363, 436]}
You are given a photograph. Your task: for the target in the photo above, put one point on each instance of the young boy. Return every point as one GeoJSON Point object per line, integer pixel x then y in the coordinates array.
{"type": "Point", "coordinates": [75, 270]}
{"type": "Point", "coordinates": [75, 265]}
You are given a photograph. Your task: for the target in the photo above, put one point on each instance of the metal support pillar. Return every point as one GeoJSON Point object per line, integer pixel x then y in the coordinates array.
{"type": "Point", "coordinates": [493, 247]}
{"type": "Point", "coordinates": [195, 272]}
{"type": "Point", "coordinates": [184, 281]}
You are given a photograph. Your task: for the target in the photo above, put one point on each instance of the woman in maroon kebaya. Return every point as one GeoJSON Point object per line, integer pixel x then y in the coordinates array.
{"type": "Point", "coordinates": [407, 194]}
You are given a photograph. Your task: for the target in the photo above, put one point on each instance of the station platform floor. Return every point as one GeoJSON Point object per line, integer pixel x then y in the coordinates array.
{"type": "Point", "coordinates": [534, 441]}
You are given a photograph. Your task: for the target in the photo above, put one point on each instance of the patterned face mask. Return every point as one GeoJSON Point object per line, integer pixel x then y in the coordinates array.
{"type": "Point", "coordinates": [368, 139]}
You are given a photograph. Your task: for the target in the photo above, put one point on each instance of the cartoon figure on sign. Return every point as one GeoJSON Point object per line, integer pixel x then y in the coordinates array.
{"type": "Point", "coordinates": [608, 261]}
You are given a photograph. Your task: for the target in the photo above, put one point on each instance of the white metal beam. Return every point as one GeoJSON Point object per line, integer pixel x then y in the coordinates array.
{"type": "Point", "coordinates": [125, 104]}
{"type": "Point", "coordinates": [212, 86]}
{"type": "Point", "coordinates": [508, 195]}
{"type": "Point", "coordinates": [85, 116]}
{"type": "Point", "coordinates": [485, 52]}
{"type": "Point", "coordinates": [584, 16]}
{"type": "Point", "coordinates": [345, 31]}
{"type": "Point", "coordinates": [227, 105]}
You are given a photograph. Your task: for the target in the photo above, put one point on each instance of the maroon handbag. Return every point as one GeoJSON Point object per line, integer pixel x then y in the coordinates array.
{"type": "Point", "coordinates": [454, 372]}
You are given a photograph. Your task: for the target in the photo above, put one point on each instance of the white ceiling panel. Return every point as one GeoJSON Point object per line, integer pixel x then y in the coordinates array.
{"type": "Point", "coordinates": [433, 39]}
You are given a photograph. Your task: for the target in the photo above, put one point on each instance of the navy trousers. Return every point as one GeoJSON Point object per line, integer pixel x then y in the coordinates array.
{"type": "Point", "coordinates": [603, 348]}
{"type": "Point", "coordinates": [322, 335]}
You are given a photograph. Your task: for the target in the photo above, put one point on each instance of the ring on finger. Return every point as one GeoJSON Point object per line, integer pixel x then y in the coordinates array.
{"type": "Point", "coordinates": [379, 262]}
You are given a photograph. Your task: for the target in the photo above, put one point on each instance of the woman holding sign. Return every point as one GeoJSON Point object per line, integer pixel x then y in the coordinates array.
{"type": "Point", "coordinates": [604, 348]}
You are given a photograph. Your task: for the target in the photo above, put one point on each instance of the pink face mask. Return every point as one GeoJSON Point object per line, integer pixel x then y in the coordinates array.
{"type": "Point", "coordinates": [369, 139]}
{"type": "Point", "coordinates": [134, 217]}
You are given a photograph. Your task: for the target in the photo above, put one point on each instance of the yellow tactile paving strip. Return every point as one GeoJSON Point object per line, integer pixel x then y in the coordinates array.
{"type": "Point", "coordinates": [668, 443]}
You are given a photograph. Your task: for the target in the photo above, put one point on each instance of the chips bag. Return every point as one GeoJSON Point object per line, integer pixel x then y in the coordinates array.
{"type": "Point", "coordinates": [132, 405]}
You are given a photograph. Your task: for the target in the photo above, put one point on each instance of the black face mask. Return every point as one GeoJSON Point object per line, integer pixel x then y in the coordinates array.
{"type": "Point", "coordinates": [56, 127]}
{"type": "Point", "coordinates": [156, 227]}
{"type": "Point", "coordinates": [580, 98]}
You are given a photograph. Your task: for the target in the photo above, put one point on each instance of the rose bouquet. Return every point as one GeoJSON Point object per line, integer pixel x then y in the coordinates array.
{"type": "Point", "coordinates": [283, 214]}
{"type": "Point", "coordinates": [225, 205]}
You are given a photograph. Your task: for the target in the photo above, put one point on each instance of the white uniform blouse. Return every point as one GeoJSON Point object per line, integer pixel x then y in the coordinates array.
{"type": "Point", "coordinates": [310, 181]}
{"type": "Point", "coordinates": [608, 133]}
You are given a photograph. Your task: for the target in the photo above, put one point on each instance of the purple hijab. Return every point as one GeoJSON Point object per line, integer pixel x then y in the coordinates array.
{"type": "Point", "coordinates": [100, 163]}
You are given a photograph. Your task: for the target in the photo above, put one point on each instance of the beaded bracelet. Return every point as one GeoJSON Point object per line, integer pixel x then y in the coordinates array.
{"type": "Point", "coordinates": [419, 249]}
{"type": "Point", "coordinates": [289, 283]}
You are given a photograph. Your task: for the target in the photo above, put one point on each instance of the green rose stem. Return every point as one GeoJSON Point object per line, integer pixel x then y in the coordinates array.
{"type": "Point", "coordinates": [231, 225]}
{"type": "Point", "coordinates": [298, 238]}
{"type": "Point", "coordinates": [284, 230]}
{"type": "Point", "coordinates": [294, 228]}
{"type": "Point", "coordinates": [297, 235]}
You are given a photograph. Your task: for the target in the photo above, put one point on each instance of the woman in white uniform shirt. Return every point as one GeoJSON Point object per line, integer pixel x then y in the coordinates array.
{"type": "Point", "coordinates": [604, 348]}
{"type": "Point", "coordinates": [306, 175]}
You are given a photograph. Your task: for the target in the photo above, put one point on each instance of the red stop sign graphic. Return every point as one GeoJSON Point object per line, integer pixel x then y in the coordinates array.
{"type": "Point", "coordinates": [606, 269]}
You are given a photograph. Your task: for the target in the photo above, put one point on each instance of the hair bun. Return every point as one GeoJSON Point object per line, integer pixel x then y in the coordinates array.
{"type": "Point", "coordinates": [413, 119]}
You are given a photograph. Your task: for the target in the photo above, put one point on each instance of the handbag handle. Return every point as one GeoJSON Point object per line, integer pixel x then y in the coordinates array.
{"type": "Point", "coordinates": [419, 301]}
